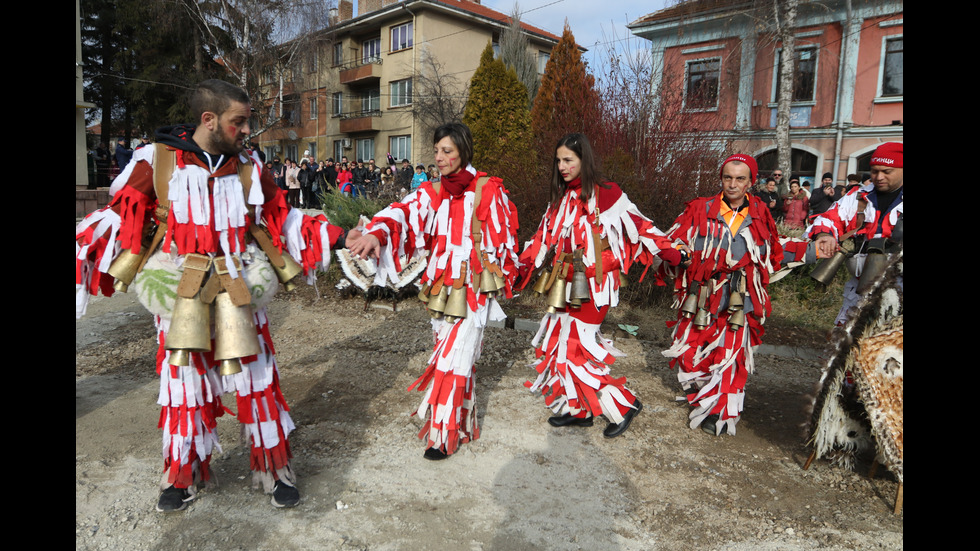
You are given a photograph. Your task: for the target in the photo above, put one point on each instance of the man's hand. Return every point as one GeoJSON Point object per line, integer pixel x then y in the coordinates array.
{"type": "Point", "coordinates": [826, 245]}
{"type": "Point", "coordinates": [363, 245]}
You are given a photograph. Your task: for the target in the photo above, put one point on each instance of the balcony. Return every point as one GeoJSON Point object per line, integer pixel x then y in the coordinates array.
{"type": "Point", "coordinates": [360, 121]}
{"type": "Point", "coordinates": [361, 73]}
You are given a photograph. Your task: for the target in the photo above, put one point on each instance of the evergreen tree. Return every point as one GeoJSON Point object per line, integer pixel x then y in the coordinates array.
{"type": "Point", "coordinates": [498, 117]}
{"type": "Point", "coordinates": [567, 100]}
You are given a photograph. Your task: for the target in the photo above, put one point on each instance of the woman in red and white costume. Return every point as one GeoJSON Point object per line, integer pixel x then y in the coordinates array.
{"type": "Point", "coordinates": [216, 195]}
{"type": "Point", "coordinates": [438, 220]}
{"type": "Point", "coordinates": [595, 217]}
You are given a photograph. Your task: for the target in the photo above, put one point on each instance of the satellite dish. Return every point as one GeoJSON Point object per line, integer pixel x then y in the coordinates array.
{"type": "Point", "coordinates": [292, 135]}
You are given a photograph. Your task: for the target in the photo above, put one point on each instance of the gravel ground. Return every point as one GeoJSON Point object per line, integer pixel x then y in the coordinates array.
{"type": "Point", "coordinates": [523, 485]}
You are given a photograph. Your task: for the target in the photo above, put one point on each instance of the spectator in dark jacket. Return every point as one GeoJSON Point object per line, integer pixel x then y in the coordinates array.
{"type": "Point", "coordinates": [771, 197]}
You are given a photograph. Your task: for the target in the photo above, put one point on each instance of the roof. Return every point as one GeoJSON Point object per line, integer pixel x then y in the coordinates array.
{"type": "Point", "coordinates": [688, 8]}
{"type": "Point", "coordinates": [481, 10]}
{"type": "Point", "coordinates": [466, 8]}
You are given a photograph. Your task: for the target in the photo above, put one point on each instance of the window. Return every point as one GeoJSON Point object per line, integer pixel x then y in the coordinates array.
{"type": "Point", "coordinates": [543, 58]}
{"type": "Point", "coordinates": [701, 89]}
{"type": "Point", "coordinates": [292, 152]}
{"type": "Point", "coordinates": [401, 92]}
{"type": "Point", "coordinates": [371, 100]}
{"type": "Point", "coordinates": [365, 148]}
{"type": "Point", "coordinates": [338, 53]}
{"type": "Point", "coordinates": [337, 101]}
{"type": "Point", "coordinates": [400, 147]}
{"type": "Point", "coordinates": [311, 147]}
{"type": "Point", "coordinates": [314, 112]}
{"type": "Point", "coordinates": [338, 150]}
{"type": "Point", "coordinates": [892, 81]}
{"type": "Point", "coordinates": [371, 50]}
{"type": "Point", "coordinates": [804, 75]}
{"type": "Point", "coordinates": [292, 111]}
{"type": "Point", "coordinates": [401, 37]}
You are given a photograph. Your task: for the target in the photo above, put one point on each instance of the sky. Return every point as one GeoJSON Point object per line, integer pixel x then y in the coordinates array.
{"type": "Point", "coordinates": [594, 29]}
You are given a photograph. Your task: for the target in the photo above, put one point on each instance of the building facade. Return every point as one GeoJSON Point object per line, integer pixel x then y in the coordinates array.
{"type": "Point", "coordinates": [357, 94]}
{"type": "Point", "coordinates": [847, 86]}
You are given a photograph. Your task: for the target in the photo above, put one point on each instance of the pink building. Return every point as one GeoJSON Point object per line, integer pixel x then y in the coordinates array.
{"type": "Point", "coordinates": [712, 64]}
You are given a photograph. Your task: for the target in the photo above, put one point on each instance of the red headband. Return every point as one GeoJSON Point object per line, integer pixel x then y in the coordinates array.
{"type": "Point", "coordinates": [747, 159]}
{"type": "Point", "coordinates": [888, 154]}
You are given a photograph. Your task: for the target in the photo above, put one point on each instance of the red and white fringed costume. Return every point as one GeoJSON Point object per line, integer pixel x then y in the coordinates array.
{"type": "Point", "coordinates": [860, 214]}
{"type": "Point", "coordinates": [209, 213]}
{"type": "Point", "coordinates": [574, 359]}
{"type": "Point", "coordinates": [715, 360]}
{"type": "Point", "coordinates": [434, 221]}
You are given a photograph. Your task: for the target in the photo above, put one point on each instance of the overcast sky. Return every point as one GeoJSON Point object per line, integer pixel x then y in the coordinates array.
{"type": "Point", "coordinates": [595, 23]}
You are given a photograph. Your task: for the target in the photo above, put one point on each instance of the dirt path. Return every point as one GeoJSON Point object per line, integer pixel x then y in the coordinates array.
{"type": "Point", "coordinates": [522, 485]}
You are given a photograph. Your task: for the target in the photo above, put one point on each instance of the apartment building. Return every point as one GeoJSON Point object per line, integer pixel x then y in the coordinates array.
{"type": "Point", "coordinates": [848, 87]}
{"type": "Point", "coordinates": [355, 93]}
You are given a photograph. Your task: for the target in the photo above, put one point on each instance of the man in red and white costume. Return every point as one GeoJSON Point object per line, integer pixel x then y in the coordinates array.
{"type": "Point", "coordinates": [439, 221]}
{"type": "Point", "coordinates": [733, 246]}
{"type": "Point", "coordinates": [866, 212]}
{"type": "Point", "coordinates": [217, 198]}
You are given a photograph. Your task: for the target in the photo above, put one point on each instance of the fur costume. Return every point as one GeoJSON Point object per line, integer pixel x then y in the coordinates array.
{"type": "Point", "coordinates": [859, 405]}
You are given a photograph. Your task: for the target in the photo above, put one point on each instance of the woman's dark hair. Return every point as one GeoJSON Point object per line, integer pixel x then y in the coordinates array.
{"type": "Point", "coordinates": [589, 174]}
{"type": "Point", "coordinates": [462, 138]}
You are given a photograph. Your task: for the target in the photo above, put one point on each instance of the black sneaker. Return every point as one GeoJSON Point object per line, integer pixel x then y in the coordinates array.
{"type": "Point", "coordinates": [434, 454]}
{"type": "Point", "coordinates": [710, 425]}
{"type": "Point", "coordinates": [284, 495]}
{"type": "Point", "coordinates": [173, 499]}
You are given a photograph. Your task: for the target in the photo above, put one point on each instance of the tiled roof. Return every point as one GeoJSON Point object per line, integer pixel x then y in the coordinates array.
{"type": "Point", "coordinates": [481, 10]}
{"type": "Point", "coordinates": [688, 8]}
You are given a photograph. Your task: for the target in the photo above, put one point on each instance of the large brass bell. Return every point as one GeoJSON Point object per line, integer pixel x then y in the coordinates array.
{"type": "Point", "coordinates": [825, 270]}
{"type": "Point", "coordinates": [736, 320]}
{"type": "Point", "coordinates": [456, 303]}
{"type": "Point", "coordinates": [557, 297]}
{"type": "Point", "coordinates": [702, 318]}
{"type": "Point", "coordinates": [234, 334]}
{"type": "Point", "coordinates": [424, 293]}
{"type": "Point", "coordinates": [288, 271]}
{"type": "Point", "coordinates": [875, 264]}
{"type": "Point", "coordinates": [437, 304]}
{"type": "Point", "coordinates": [190, 330]}
{"type": "Point", "coordinates": [125, 267]}
{"type": "Point", "coordinates": [488, 284]}
{"type": "Point", "coordinates": [541, 285]}
{"type": "Point", "coordinates": [690, 305]}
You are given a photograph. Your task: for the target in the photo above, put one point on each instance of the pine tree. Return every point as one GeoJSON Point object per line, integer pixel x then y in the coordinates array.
{"type": "Point", "coordinates": [498, 117]}
{"type": "Point", "coordinates": [567, 100]}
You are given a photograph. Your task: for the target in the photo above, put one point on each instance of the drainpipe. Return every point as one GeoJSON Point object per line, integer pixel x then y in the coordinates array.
{"type": "Point", "coordinates": [838, 116]}
{"type": "Point", "coordinates": [415, 46]}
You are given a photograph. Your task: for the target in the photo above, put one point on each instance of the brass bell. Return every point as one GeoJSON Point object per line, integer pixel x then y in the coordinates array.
{"type": "Point", "coordinates": [424, 293]}
{"type": "Point", "coordinates": [556, 298]}
{"type": "Point", "coordinates": [736, 320]}
{"type": "Point", "coordinates": [825, 270]}
{"type": "Point", "coordinates": [690, 305]}
{"type": "Point", "coordinates": [234, 332]}
{"type": "Point", "coordinates": [874, 268]}
{"type": "Point", "coordinates": [288, 271]}
{"type": "Point", "coordinates": [437, 304]}
{"type": "Point", "coordinates": [488, 284]}
{"type": "Point", "coordinates": [703, 318]}
{"type": "Point", "coordinates": [456, 304]}
{"type": "Point", "coordinates": [190, 330]}
{"type": "Point", "coordinates": [736, 301]}
{"type": "Point", "coordinates": [125, 267]}
{"type": "Point", "coordinates": [541, 285]}
{"type": "Point", "coordinates": [580, 284]}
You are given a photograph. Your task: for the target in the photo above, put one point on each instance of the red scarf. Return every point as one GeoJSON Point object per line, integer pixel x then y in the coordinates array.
{"type": "Point", "coordinates": [457, 183]}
